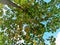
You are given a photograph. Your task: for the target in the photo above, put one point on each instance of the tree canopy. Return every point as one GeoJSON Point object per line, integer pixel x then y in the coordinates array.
{"type": "Point", "coordinates": [28, 26]}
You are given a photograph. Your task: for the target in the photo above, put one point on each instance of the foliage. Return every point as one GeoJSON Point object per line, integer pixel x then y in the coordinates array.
{"type": "Point", "coordinates": [39, 17]}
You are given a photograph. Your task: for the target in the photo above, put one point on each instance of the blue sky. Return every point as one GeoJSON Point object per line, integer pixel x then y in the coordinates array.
{"type": "Point", "coordinates": [48, 34]}
{"type": "Point", "coordinates": [47, 1]}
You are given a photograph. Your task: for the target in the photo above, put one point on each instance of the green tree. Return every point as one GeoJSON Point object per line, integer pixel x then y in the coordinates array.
{"type": "Point", "coordinates": [29, 22]}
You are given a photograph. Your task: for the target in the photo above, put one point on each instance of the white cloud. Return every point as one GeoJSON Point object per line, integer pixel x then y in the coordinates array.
{"type": "Point", "coordinates": [58, 39]}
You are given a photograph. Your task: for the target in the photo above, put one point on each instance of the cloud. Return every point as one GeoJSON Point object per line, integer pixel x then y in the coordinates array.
{"type": "Point", "coordinates": [58, 39]}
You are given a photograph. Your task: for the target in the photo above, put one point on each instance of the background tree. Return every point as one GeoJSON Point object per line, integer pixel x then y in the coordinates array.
{"type": "Point", "coordinates": [28, 26]}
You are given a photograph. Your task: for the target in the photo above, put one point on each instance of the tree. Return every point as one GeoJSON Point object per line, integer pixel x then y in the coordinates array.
{"type": "Point", "coordinates": [28, 24]}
